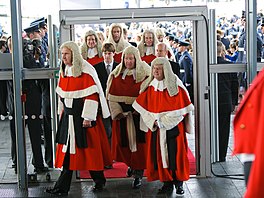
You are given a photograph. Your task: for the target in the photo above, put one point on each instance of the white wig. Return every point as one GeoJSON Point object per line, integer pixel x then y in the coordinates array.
{"type": "Point", "coordinates": [77, 59]}
{"type": "Point", "coordinates": [170, 79]}
{"type": "Point", "coordinates": [84, 47]}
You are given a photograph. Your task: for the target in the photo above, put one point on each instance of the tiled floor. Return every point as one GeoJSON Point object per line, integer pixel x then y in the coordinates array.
{"type": "Point", "coordinates": [215, 186]}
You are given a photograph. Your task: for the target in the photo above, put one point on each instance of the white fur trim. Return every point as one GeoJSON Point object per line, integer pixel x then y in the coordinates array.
{"type": "Point", "coordinates": [60, 107]}
{"type": "Point", "coordinates": [131, 132]}
{"type": "Point", "coordinates": [115, 109]}
{"type": "Point", "coordinates": [77, 94]}
{"type": "Point", "coordinates": [164, 148]}
{"type": "Point", "coordinates": [71, 136]}
{"type": "Point", "coordinates": [146, 116]}
{"type": "Point", "coordinates": [125, 99]}
{"type": "Point", "coordinates": [90, 108]}
{"type": "Point", "coordinates": [68, 102]}
{"type": "Point", "coordinates": [189, 123]}
{"type": "Point", "coordinates": [89, 69]}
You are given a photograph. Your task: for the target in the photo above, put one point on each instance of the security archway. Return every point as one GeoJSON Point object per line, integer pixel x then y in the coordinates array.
{"type": "Point", "coordinates": [199, 17]}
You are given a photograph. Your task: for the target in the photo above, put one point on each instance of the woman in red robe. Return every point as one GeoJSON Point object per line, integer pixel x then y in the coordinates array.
{"type": "Point", "coordinates": [249, 136]}
{"type": "Point", "coordinates": [128, 141]}
{"type": "Point", "coordinates": [165, 108]}
{"type": "Point", "coordinates": [79, 146]}
{"type": "Point", "coordinates": [91, 49]}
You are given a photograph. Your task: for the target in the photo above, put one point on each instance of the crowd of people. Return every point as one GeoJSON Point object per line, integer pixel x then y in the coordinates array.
{"type": "Point", "coordinates": [123, 97]}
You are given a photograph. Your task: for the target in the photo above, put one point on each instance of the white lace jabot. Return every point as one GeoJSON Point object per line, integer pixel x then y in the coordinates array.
{"type": "Point", "coordinates": [92, 52]}
{"type": "Point", "coordinates": [68, 70]}
{"type": "Point", "coordinates": [158, 85]}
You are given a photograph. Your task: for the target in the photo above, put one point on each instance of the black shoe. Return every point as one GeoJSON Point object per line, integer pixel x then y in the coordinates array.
{"type": "Point", "coordinates": [98, 187]}
{"type": "Point", "coordinates": [136, 183]}
{"type": "Point", "coordinates": [108, 167]}
{"type": "Point", "coordinates": [41, 169]}
{"type": "Point", "coordinates": [223, 159]}
{"type": "Point", "coordinates": [166, 188]}
{"type": "Point", "coordinates": [56, 191]}
{"type": "Point", "coordinates": [179, 190]}
{"type": "Point", "coordinates": [129, 172]}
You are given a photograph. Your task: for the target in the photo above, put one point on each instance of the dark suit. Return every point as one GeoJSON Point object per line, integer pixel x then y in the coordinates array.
{"type": "Point", "coordinates": [186, 64]}
{"type": "Point", "coordinates": [103, 76]}
{"type": "Point", "coordinates": [175, 68]}
{"type": "Point", "coordinates": [227, 98]}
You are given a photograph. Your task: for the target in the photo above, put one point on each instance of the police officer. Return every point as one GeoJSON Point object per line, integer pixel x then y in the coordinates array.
{"type": "Point", "coordinates": [261, 34]}
{"type": "Point", "coordinates": [33, 99]}
{"type": "Point", "coordinates": [186, 64]}
{"type": "Point", "coordinates": [44, 86]}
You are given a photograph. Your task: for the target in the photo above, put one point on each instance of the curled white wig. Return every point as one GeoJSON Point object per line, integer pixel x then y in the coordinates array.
{"type": "Point", "coordinates": [77, 59]}
{"type": "Point", "coordinates": [122, 43]}
{"type": "Point", "coordinates": [84, 47]}
{"type": "Point", "coordinates": [142, 46]}
{"type": "Point", "coordinates": [142, 68]}
{"type": "Point", "coordinates": [170, 79]}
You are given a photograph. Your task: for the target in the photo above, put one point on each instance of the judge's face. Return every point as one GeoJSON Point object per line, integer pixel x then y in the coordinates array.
{"type": "Point", "coordinates": [157, 72]}
{"type": "Point", "coordinates": [161, 50]}
{"type": "Point", "coordinates": [116, 33]}
{"type": "Point", "coordinates": [130, 61]}
{"type": "Point", "coordinates": [66, 56]}
{"type": "Point", "coordinates": [149, 39]}
{"type": "Point", "coordinates": [91, 42]}
{"type": "Point", "coordinates": [160, 38]}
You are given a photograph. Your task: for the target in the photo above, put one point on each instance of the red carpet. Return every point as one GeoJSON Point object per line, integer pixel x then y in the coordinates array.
{"type": "Point", "coordinates": [119, 169]}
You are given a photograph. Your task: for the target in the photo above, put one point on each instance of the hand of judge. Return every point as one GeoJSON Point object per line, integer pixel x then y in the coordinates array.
{"type": "Point", "coordinates": [87, 123]}
{"type": "Point", "coordinates": [119, 116]}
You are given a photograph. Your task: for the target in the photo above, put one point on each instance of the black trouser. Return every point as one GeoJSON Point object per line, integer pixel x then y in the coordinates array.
{"type": "Point", "coordinates": [44, 87]}
{"type": "Point", "coordinates": [12, 122]}
{"type": "Point", "coordinates": [247, 167]}
{"type": "Point", "coordinates": [64, 181]}
{"type": "Point", "coordinates": [224, 130]}
{"type": "Point", "coordinates": [108, 128]}
{"type": "Point", "coordinates": [3, 97]}
{"type": "Point", "coordinates": [33, 110]}
{"type": "Point", "coordinates": [13, 140]}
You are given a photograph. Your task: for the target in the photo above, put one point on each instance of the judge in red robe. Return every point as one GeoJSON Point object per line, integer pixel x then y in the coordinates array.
{"type": "Point", "coordinates": [147, 45]}
{"type": "Point", "coordinates": [91, 48]}
{"type": "Point", "coordinates": [116, 37]}
{"type": "Point", "coordinates": [165, 108]}
{"type": "Point", "coordinates": [128, 141]}
{"type": "Point", "coordinates": [249, 136]}
{"type": "Point", "coordinates": [79, 143]}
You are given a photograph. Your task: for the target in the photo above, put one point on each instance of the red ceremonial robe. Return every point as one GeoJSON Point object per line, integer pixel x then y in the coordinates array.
{"type": "Point", "coordinates": [135, 160]}
{"type": "Point", "coordinates": [151, 104]}
{"type": "Point", "coordinates": [91, 157]}
{"type": "Point", "coordinates": [117, 57]}
{"type": "Point", "coordinates": [95, 60]}
{"type": "Point", "coordinates": [148, 58]}
{"type": "Point", "coordinates": [249, 134]}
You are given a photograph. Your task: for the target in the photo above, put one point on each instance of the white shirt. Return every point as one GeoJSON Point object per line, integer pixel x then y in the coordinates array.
{"type": "Point", "coordinates": [110, 65]}
{"type": "Point", "coordinates": [158, 85]}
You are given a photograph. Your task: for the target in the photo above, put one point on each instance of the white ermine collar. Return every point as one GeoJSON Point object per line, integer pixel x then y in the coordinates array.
{"type": "Point", "coordinates": [158, 85]}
